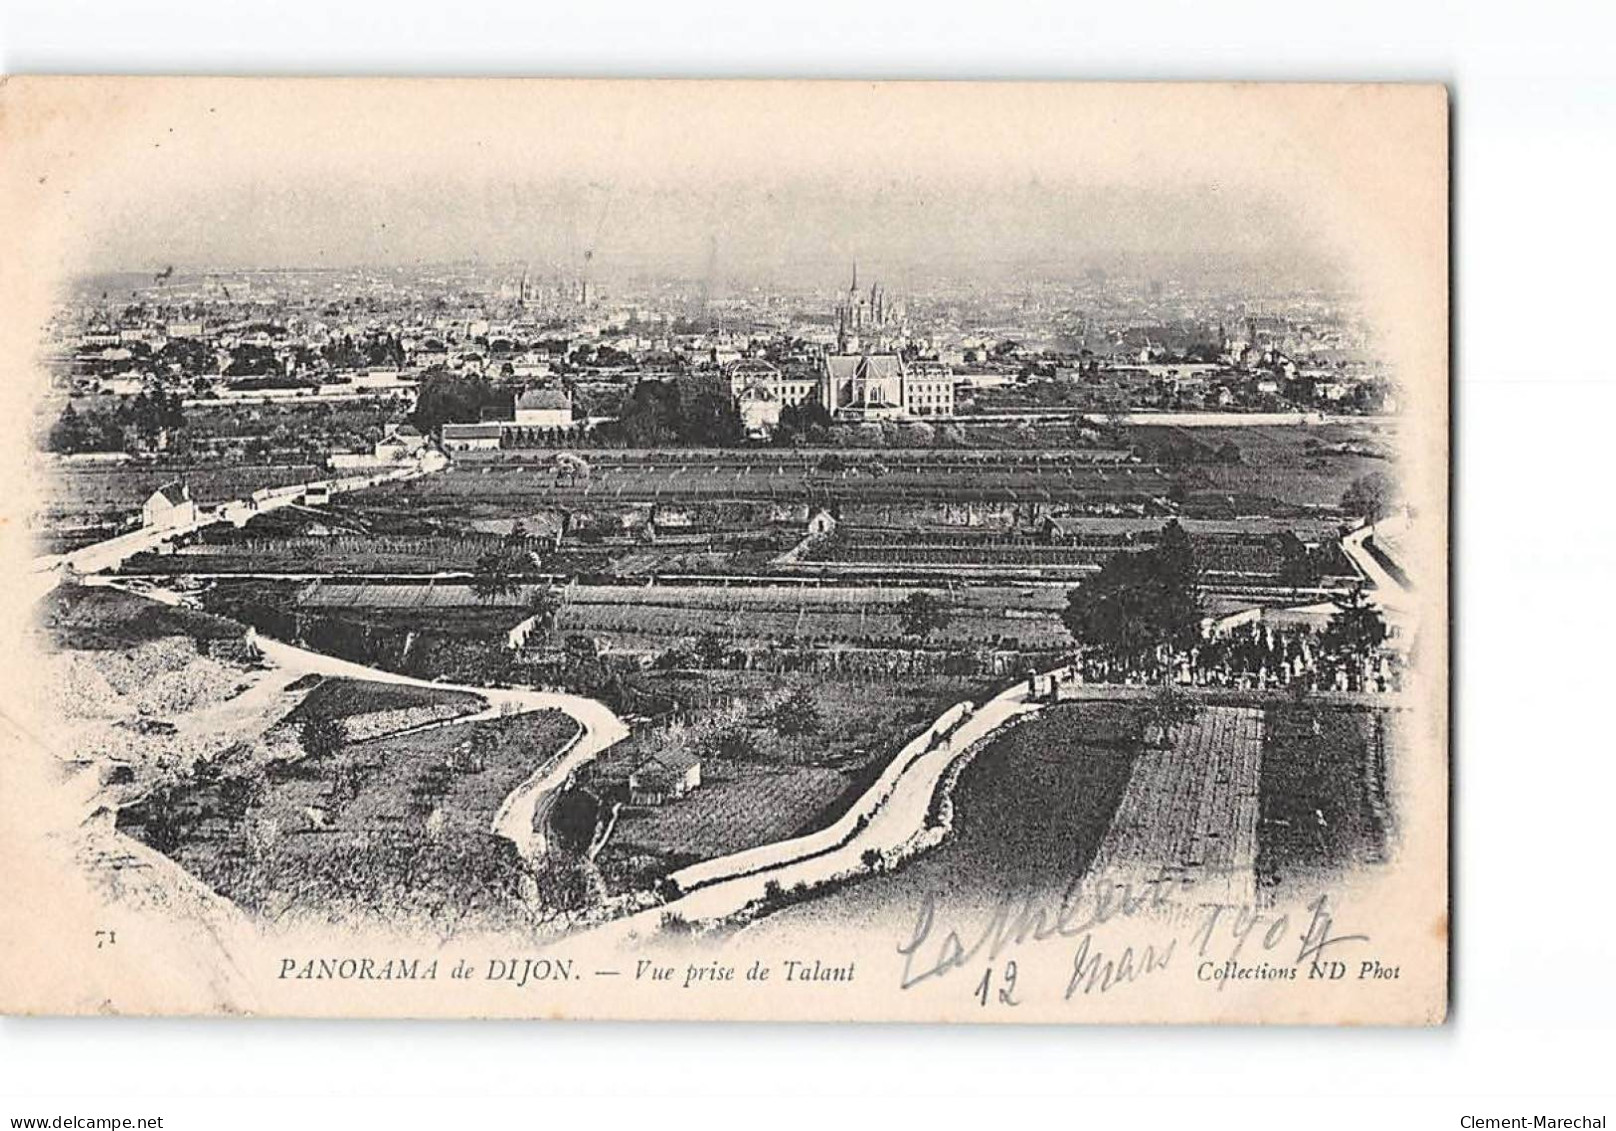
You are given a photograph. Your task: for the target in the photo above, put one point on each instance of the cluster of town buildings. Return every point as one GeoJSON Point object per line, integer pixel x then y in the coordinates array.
{"type": "Point", "coordinates": [863, 355]}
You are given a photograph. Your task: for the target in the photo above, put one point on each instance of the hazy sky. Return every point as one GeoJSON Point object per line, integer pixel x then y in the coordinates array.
{"type": "Point", "coordinates": [759, 231]}
{"type": "Point", "coordinates": [782, 180]}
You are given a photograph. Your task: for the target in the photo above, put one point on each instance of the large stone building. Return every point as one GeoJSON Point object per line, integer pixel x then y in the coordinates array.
{"type": "Point", "coordinates": [928, 388]}
{"type": "Point", "coordinates": [864, 386]}
{"type": "Point", "coordinates": [762, 389]}
{"type": "Point", "coordinates": [850, 386]}
{"type": "Point", "coordinates": [885, 387]}
{"type": "Point", "coordinates": [472, 437]}
{"type": "Point", "coordinates": [759, 410]}
{"type": "Point", "coordinates": [770, 379]}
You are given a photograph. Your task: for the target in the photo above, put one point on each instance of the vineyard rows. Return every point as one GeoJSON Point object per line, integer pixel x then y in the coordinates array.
{"type": "Point", "coordinates": [1189, 814]}
{"type": "Point", "coordinates": [339, 554]}
{"type": "Point", "coordinates": [804, 626]}
{"type": "Point", "coordinates": [844, 598]}
{"type": "Point", "coordinates": [983, 553]}
{"type": "Point", "coordinates": [928, 459]}
{"type": "Point", "coordinates": [661, 483]}
{"type": "Point", "coordinates": [737, 807]}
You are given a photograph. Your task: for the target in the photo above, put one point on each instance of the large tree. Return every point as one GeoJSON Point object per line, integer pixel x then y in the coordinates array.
{"type": "Point", "coordinates": [1371, 497]}
{"type": "Point", "coordinates": [498, 572]}
{"type": "Point", "coordinates": [72, 433]}
{"type": "Point", "coordinates": [545, 606]}
{"type": "Point", "coordinates": [1167, 709]}
{"type": "Point", "coordinates": [922, 613]}
{"type": "Point", "coordinates": [797, 715]}
{"type": "Point", "coordinates": [707, 416]}
{"type": "Point", "coordinates": [1139, 600]}
{"type": "Point", "coordinates": [321, 736]}
{"type": "Point", "coordinates": [1357, 627]}
{"type": "Point", "coordinates": [1299, 567]}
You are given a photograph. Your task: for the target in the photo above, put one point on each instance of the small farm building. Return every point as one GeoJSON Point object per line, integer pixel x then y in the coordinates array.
{"type": "Point", "coordinates": [169, 506]}
{"type": "Point", "coordinates": [662, 778]}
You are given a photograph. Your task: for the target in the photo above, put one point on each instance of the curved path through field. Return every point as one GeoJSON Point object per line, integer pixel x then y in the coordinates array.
{"type": "Point", "coordinates": [889, 819]}
{"type": "Point", "coordinates": [1384, 588]}
{"type": "Point", "coordinates": [531, 800]}
{"type": "Point", "coordinates": [515, 820]}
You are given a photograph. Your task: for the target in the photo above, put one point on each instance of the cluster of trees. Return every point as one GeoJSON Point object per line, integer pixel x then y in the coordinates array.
{"type": "Point", "coordinates": [600, 357]}
{"type": "Point", "coordinates": [134, 424]}
{"type": "Point", "coordinates": [457, 398]}
{"type": "Point", "coordinates": [254, 361]}
{"type": "Point", "coordinates": [1145, 600]}
{"type": "Point", "coordinates": [809, 425]}
{"type": "Point", "coordinates": [188, 357]}
{"type": "Point", "coordinates": [251, 361]}
{"type": "Point", "coordinates": [807, 422]}
{"type": "Point", "coordinates": [697, 411]}
{"type": "Point", "coordinates": [382, 349]}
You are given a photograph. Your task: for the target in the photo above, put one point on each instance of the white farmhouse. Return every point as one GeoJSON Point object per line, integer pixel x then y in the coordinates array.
{"type": "Point", "coordinates": [544, 408]}
{"type": "Point", "coordinates": [663, 778]}
{"type": "Point", "coordinates": [169, 506]}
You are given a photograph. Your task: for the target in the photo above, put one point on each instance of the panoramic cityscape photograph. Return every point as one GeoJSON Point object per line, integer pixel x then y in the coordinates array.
{"type": "Point", "coordinates": [970, 564]}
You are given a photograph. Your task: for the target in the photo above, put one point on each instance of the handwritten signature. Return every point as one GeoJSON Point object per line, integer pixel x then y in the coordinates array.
{"type": "Point", "coordinates": [1221, 931]}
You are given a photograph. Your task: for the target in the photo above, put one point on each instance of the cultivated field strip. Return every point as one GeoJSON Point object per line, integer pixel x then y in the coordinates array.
{"type": "Point", "coordinates": [739, 806]}
{"type": "Point", "coordinates": [807, 622]}
{"type": "Point", "coordinates": [1189, 814]}
{"type": "Point", "coordinates": [776, 480]}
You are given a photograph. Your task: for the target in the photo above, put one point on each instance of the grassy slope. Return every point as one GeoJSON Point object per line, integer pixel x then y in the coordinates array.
{"type": "Point", "coordinates": [343, 698]}
{"type": "Point", "coordinates": [97, 618]}
{"type": "Point", "coordinates": [375, 852]}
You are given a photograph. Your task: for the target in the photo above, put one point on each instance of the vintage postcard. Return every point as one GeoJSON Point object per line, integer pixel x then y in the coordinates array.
{"type": "Point", "coordinates": [725, 550]}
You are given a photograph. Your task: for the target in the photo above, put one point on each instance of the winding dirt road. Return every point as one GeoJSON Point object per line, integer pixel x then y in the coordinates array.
{"type": "Point", "coordinates": [1383, 588]}
{"type": "Point", "coordinates": [890, 819]}
{"type": "Point", "coordinates": [525, 806]}
{"type": "Point", "coordinates": [518, 814]}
